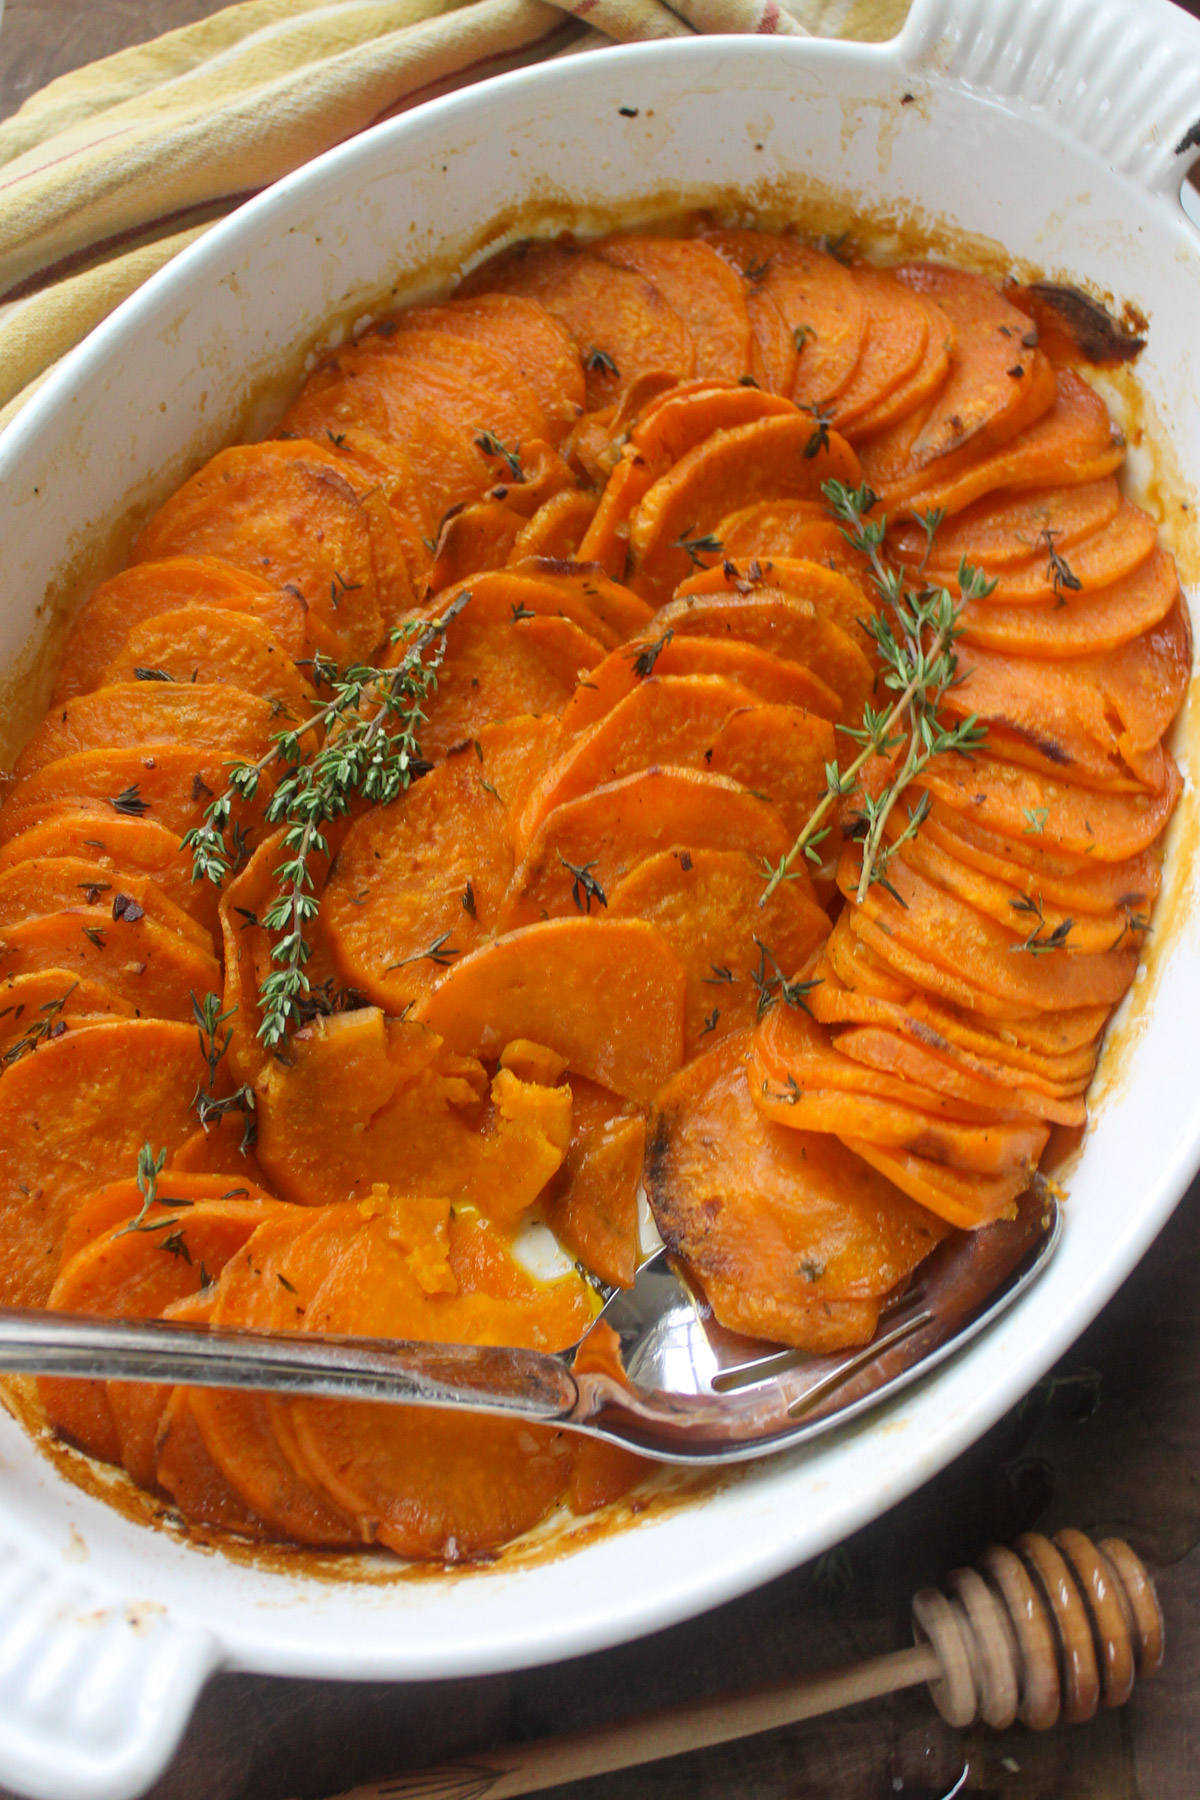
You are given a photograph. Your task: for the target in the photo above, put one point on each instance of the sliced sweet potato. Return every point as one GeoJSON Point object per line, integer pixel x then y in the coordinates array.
{"type": "Point", "coordinates": [237, 1428]}
{"type": "Point", "coordinates": [427, 1483]}
{"type": "Point", "coordinates": [608, 994]}
{"type": "Point", "coordinates": [214, 720]}
{"type": "Point", "coordinates": [185, 1469]}
{"type": "Point", "coordinates": [1007, 529]}
{"type": "Point", "coordinates": [781, 753]}
{"type": "Point", "coordinates": [767, 677]}
{"type": "Point", "coordinates": [557, 529]}
{"type": "Point", "coordinates": [477, 536]}
{"type": "Point", "coordinates": [536, 343]}
{"type": "Point", "coordinates": [287, 511]}
{"type": "Point", "coordinates": [1098, 719]}
{"type": "Point", "coordinates": [1097, 562]}
{"type": "Point", "coordinates": [786, 458]}
{"type": "Point", "coordinates": [1075, 441]}
{"type": "Point", "coordinates": [422, 1119]}
{"type": "Point", "coordinates": [956, 1195]}
{"type": "Point", "coordinates": [698, 285]}
{"type": "Point", "coordinates": [898, 1055]}
{"type": "Point", "coordinates": [33, 1007]}
{"type": "Point", "coordinates": [121, 847]}
{"type": "Point", "coordinates": [790, 1237]}
{"type": "Point", "coordinates": [773, 354]}
{"type": "Point", "coordinates": [387, 466]}
{"type": "Point", "coordinates": [1074, 883]}
{"type": "Point", "coordinates": [199, 644]}
{"type": "Point", "coordinates": [225, 1150]}
{"type": "Point", "coordinates": [420, 883]}
{"type": "Point", "coordinates": [916, 391]}
{"type": "Point", "coordinates": [135, 1275]}
{"type": "Point", "coordinates": [894, 346]}
{"type": "Point", "coordinates": [790, 628]}
{"type": "Point", "coordinates": [733, 951]}
{"type": "Point", "coordinates": [620, 322]}
{"type": "Point", "coordinates": [593, 1203]}
{"type": "Point", "coordinates": [147, 964]}
{"type": "Point", "coordinates": [669, 719]}
{"type": "Point", "coordinates": [957, 937]}
{"type": "Point", "coordinates": [616, 613]}
{"type": "Point", "coordinates": [171, 787]}
{"type": "Point", "coordinates": [602, 1473]}
{"type": "Point", "coordinates": [73, 1117]}
{"type": "Point", "coordinates": [784, 528]}
{"type": "Point", "coordinates": [131, 599]}
{"type": "Point", "coordinates": [508, 652]}
{"type": "Point", "coordinates": [685, 416]}
{"type": "Point", "coordinates": [833, 596]}
{"type": "Point", "coordinates": [797, 1079]}
{"type": "Point", "coordinates": [137, 1407]}
{"type": "Point", "coordinates": [1009, 801]}
{"type": "Point", "coordinates": [998, 384]}
{"type": "Point", "coordinates": [474, 358]}
{"type": "Point", "coordinates": [42, 885]}
{"type": "Point", "coordinates": [615, 827]}
{"type": "Point", "coordinates": [1078, 625]}
{"type": "Point", "coordinates": [819, 300]}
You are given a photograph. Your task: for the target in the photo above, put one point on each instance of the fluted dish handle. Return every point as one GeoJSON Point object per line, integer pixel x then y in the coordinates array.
{"type": "Point", "coordinates": [1121, 77]}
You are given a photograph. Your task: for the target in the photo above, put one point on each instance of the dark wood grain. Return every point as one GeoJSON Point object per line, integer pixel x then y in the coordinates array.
{"type": "Point", "coordinates": [1110, 1441]}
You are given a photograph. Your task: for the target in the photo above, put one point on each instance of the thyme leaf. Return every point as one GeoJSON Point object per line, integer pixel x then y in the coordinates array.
{"type": "Point", "coordinates": [584, 887]}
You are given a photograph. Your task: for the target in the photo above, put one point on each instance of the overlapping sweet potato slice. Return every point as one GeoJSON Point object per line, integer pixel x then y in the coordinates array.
{"type": "Point", "coordinates": [667, 719]}
{"type": "Point", "coordinates": [785, 458]}
{"type": "Point", "coordinates": [237, 1428]}
{"type": "Point", "coordinates": [767, 677]}
{"type": "Point", "coordinates": [183, 1466]}
{"type": "Point", "coordinates": [385, 464]}
{"type": "Point", "coordinates": [698, 285]}
{"type": "Point", "coordinates": [73, 1116]}
{"type": "Point", "coordinates": [40, 885]}
{"type": "Point", "coordinates": [781, 753]}
{"type": "Point", "coordinates": [212, 719]}
{"type": "Point", "coordinates": [205, 645]}
{"type": "Point", "coordinates": [523, 331]}
{"type": "Point", "coordinates": [1075, 441]}
{"type": "Point", "coordinates": [917, 391]}
{"type": "Point", "coordinates": [1009, 801]}
{"type": "Point", "coordinates": [286, 511]}
{"type": "Point", "coordinates": [611, 830]}
{"type": "Point", "coordinates": [1007, 529]}
{"type": "Point", "coordinates": [420, 883]}
{"type": "Point", "coordinates": [139, 594]}
{"type": "Point", "coordinates": [999, 380]}
{"type": "Point", "coordinates": [832, 595]}
{"type": "Point", "coordinates": [959, 1196]}
{"type": "Point", "coordinates": [136, 1275]}
{"type": "Point", "coordinates": [615, 612]}
{"type": "Point", "coordinates": [733, 951]}
{"type": "Point", "coordinates": [592, 1207]}
{"type": "Point", "coordinates": [147, 964]}
{"type": "Point", "coordinates": [621, 323]}
{"type": "Point", "coordinates": [788, 528]}
{"type": "Point", "coordinates": [894, 346]}
{"type": "Point", "coordinates": [897, 1054]}
{"type": "Point", "coordinates": [120, 847]}
{"type": "Point", "coordinates": [792, 1240]}
{"type": "Point", "coordinates": [1074, 883]}
{"type": "Point", "coordinates": [819, 301]}
{"type": "Point", "coordinates": [47, 1003]}
{"type": "Point", "coordinates": [475, 537]}
{"type": "Point", "coordinates": [557, 529]}
{"type": "Point", "coordinates": [1096, 562]}
{"type": "Point", "coordinates": [792, 629]}
{"type": "Point", "coordinates": [1077, 625]}
{"type": "Point", "coordinates": [607, 994]}
{"type": "Point", "coordinates": [171, 787]}
{"type": "Point", "coordinates": [427, 1483]}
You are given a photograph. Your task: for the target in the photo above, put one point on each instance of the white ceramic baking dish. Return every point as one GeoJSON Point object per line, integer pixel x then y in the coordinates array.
{"type": "Point", "coordinates": [1045, 130]}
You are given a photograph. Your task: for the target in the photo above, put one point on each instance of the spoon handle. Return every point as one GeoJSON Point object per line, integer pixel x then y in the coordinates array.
{"type": "Point", "coordinates": [523, 1384]}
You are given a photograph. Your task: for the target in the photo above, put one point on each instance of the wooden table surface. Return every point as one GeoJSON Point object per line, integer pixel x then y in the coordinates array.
{"type": "Point", "coordinates": [1110, 1441]}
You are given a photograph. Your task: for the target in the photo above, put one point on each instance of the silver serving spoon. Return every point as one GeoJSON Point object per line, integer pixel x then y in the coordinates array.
{"type": "Point", "coordinates": [681, 1389]}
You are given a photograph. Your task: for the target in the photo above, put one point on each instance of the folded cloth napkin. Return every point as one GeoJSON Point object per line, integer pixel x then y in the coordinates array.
{"type": "Point", "coordinates": [111, 170]}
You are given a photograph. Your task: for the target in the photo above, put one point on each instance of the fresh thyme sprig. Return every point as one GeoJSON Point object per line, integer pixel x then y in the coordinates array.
{"type": "Point", "coordinates": [771, 988]}
{"type": "Point", "coordinates": [914, 633]}
{"type": "Point", "coordinates": [209, 1110]}
{"type": "Point", "coordinates": [149, 1168]}
{"type": "Point", "coordinates": [369, 748]}
{"type": "Point", "coordinates": [1040, 941]}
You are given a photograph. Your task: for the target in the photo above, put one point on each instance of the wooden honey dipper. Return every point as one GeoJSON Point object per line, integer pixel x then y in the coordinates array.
{"type": "Point", "coordinates": [1052, 1628]}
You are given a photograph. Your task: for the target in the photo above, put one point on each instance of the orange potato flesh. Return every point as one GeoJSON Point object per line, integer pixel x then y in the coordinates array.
{"type": "Point", "coordinates": [593, 1203]}
{"type": "Point", "coordinates": [142, 593]}
{"type": "Point", "coordinates": [121, 848]}
{"type": "Point", "coordinates": [1108, 556]}
{"type": "Point", "coordinates": [792, 1241]}
{"type": "Point", "coordinates": [1007, 529]}
{"type": "Point", "coordinates": [706, 904]}
{"type": "Point", "coordinates": [523, 331]}
{"type": "Point", "coordinates": [771, 459]}
{"type": "Point", "coordinates": [214, 720]}
{"type": "Point", "coordinates": [185, 1469]}
{"type": "Point", "coordinates": [615, 827]}
{"type": "Point", "coordinates": [790, 528]}
{"type": "Point", "coordinates": [897, 335]}
{"type": "Point", "coordinates": [557, 529]}
{"type": "Point", "coordinates": [918, 390]}
{"type": "Point", "coordinates": [170, 787]}
{"type": "Point", "coordinates": [832, 595]}
{"type": "Point", "coordinates": [31, 1005]}
{"type": "Point", "coordinates": [617, 319]}
{"type": "Point", "coordinates": [770, 678]}
{"type": "Point", "coordinates": [401, 880]}
{"type": "Point", "coordinates": [1078, 624]}
{"type": "Point", "coordinates": [818, 299]}
{"type": "Point", "coordinates": [196, 644]}
{"type": "Point", "coordinates": [701, 288]}
{"type": "Point", "coordinates": [142, 962]}
{"type": "Point", "coordinates": [609, 995]}
{"type": "Point", "coordinates": [40, 885]}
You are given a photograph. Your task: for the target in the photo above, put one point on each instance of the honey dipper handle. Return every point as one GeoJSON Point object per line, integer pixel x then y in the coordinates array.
{"type": "Point", "coordinates": [696, 1725]}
